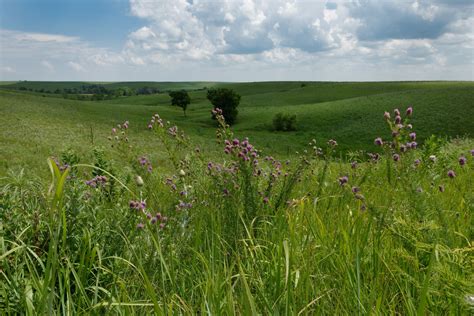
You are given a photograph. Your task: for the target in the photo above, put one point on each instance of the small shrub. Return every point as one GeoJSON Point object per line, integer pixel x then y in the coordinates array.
{"type": "Point", "coordinates": [284, 122]}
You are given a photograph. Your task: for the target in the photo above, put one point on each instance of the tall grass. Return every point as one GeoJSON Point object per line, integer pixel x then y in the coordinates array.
{"type": "Point", "coordinates": [241, 234]}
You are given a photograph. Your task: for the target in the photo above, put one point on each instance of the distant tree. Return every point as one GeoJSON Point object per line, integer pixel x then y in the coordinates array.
{"type": "Point", "coordinates": [181, 99]}
{"type": "Point", "coordinates": [227, 100]}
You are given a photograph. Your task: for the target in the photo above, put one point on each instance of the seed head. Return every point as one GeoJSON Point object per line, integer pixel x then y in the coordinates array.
{"type": "Point", "coordinates": [462, 160]}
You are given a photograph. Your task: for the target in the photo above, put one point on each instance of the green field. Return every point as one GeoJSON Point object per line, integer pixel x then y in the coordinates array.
{"type": "Point", "coordinates": [139, 222]}
{"type": "Point", "coordinates": [35, 125]}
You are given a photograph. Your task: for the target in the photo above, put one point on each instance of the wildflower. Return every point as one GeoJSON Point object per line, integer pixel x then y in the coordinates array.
{"type": "Point", "coordinates": [354, 164]}
{"type": "Point", "coordinates": [396, 157]}
{"type": "Point", "coordinates": [343, 180]}
{"type": "Point", "coordinates": [417, 162]}
{"type": "Point", "coordinates": [182, 173]}
{"type": "Point", "coordinates": [419, 190]}
{"type": "Point", "coordinates": [403, 148]}
{"type": "Point", "coordinates": [378, 141]}
{"type": "Point", "coordinates": [441, 188]}
{"type": "Point", "coordinates": [150, 126]}
{"type": "Point", "coordinates": [451, 174]}
{"type": "Point", "coordinates": [355, 189]}
{"type": "Point", "coordinates": [409, 111]}
{"type": "Point", "coordinates": [472, 152]}
{"type": "Point", "coordinates": [409, 126]}
{"type": "Point", "coordinates": [396, 112]}
{"type": "Point", "coordinates": [398, 119]}
{"type": "Point", "coordinates": [462, 160]}
{"type": "Point", "coordinates": [265, 200]}
{"type": "Point", "coordinates": [413, 145]}
{"type": "Point", "coordinates": [332, 143]}
{"type": "Point", "coordinates": [162, 225]}
{"type": "Point", "coordinates": [363, 207]}
{"type": "Point", "coordinates": [359, 196]}
{"type": "Point", "coordinates": [153, 220]}
{"type": "Point", "coordinates": [235, 142]}
{"type": "Point", "coordinates": [114, 130]}
{"type": "Point", "coordinates": [395, 134]}
{"type": "Point", "coordinates": [412, 136]}
{"type": "Point", "coordinates": [386, 115]}
{"type": "Point", "coordinates": [433, 158]}
{"type": "Point", "coordinates": [140, 226]}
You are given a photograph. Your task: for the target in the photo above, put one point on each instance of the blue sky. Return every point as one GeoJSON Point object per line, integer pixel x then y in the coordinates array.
{"type": "Point", "coordinates": [236, 40]}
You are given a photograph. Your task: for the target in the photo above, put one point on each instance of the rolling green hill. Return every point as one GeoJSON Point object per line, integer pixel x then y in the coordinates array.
{"type": "Point", "coordinates": [34, 127]}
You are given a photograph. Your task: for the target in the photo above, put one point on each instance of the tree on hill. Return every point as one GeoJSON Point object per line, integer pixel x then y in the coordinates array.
{"type": "Point", "coordinates": [227, 100]}
{"type": "Point", "coordinates": [181, 99]}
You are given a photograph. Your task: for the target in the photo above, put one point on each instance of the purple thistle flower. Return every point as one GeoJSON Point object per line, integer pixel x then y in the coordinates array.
{"type": "Point", "coordinates": [235, 142]}
{"type": "Point", "coordinates": [386, 115]}
{"type": "Point", "coordinates": [150, 126]}
{"type": "Point", "coordinates": [355, 189]}
{"type": "Point", "coordinates": [409, 111]}
{"type": "Point", "coordinates": [162, 225]}
{"type": "Point", "coordinates": [354, 164]}
{"type": "Point", "coordinates": [417, 162]}
{"type": "Point", "coordinates": [114, 130]}
{"type": "Point", "coordinates": [343, 180]}
{"type": "Point", "coordinates": [472, 152]}
{"type": "Point", "coordinates": [412, 136]}
{"type": "Point", "coordinates": [451, 174]}
{"type": "Point", "coordinates": [398, 119]}
{"type": "Point", "coordinates": [413, 145]}
{"type": "Point", "coordinates": [265, 200]}
{"type": "Point", "coordinates": [395, 134]}
{"type": "Point", "coordinates": [396, 157]}
{"type": "Point", "coordinates": [148, 215]}
{"type": "Point", "coordinates": [462, 160]}
{"type": "Point", "coordinates": [140, 226]}
{"type": "Point", "coordinates": [396, 112]}
{"type": "Point", "coordinates": [153, 220]}
{"type": "Point", "coordinates": [378, 141]}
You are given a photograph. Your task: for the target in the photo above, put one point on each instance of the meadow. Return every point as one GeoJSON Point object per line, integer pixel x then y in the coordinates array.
{"type": "Point", "coordinates": [37, 125]}
{"type": "Point", "coordinates": [359, 211]}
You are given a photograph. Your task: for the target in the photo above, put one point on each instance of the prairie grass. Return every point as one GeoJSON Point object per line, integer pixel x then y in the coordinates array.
{"type": "Point", "coordinates": [240, 233]}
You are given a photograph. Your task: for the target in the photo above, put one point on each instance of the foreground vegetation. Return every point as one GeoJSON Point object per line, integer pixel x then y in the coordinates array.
{"type": "Point", "coordinates": [241, 232]}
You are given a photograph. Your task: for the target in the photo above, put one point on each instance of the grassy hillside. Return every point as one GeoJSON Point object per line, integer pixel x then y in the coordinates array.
{"type": "Point", "coordinates": [35, 127]}
{"type": "Point", "coordinates": [233, 234]}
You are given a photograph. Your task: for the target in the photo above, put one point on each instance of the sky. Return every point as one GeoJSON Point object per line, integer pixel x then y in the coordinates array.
{"type": "Point", "coordinates": [236, 40]}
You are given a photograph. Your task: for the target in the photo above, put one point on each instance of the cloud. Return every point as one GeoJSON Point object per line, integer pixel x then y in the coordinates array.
{"type": "Point", "coordinates": [40, 37]}
{"type": "Point", "coordinates": [385, 20]}
{"type": "Point", "coordinates": [7, 69]}
{"type": "Point", "coordinates": [262, 39]}
{"type": "Point", "coordinates": [76, 66]}
{"type": "Point", "coordinates": [47, 65]}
